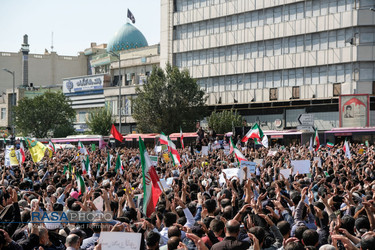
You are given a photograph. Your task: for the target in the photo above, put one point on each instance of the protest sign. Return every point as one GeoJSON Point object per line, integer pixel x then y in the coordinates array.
{"type": "Point", "coordinates": [157, 149]}
{"type": "Point", "coordinates": [258, 162]}
{"type": "Point", "coordinates": [98, 202]}
{"type": "Point", "coordinates": [137, 199]}
{"type": "Point", "coordinates": [120, 240]}
{"type": "Point", "coordinates": [319, 161]}
{"type": "Point", "coordinates": [169, 181]}
{"type": "Point", "coordinates": [301, 166]}
{"type": "Point", "coordinates": [166, 157]}
{"type": "Point", "coordinates": [230, 172]}
{"type": "Point", "coordinates": [176, 172]}
{"type": "Point", "coordinates": [204, 150]}
{"type": "Point", "coordinates": [285, 172]}
{"type": "Point", "coordinates": [154, 160]}
{"type": "Point", "coordinates": [7, 156]}
{"type": "Point", "coordinates": [164, 185]}
{"type": "Point", "coordinates": [250, 168]}
{"type": "Point", "coordinates": [216, 145]}
{"type": "Point", "coordinates": [272, 152]}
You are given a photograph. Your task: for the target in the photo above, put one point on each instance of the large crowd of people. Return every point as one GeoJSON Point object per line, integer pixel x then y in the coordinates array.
{"type": "Point", "coordinates": [332, 207]}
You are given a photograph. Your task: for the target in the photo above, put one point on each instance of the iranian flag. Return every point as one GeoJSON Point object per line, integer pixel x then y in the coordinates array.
{"type": "Point", "coordinates": [86, 169]}
{"type": "Point", "coordinates": [22, 153]}
{"type": "Point", "coordinates": [231, 146]}
{"type": "Point", "coordinates": [330, 145]}
{"type": "Point", "coordinates": [82, 148]}
{"type": "Point", "coordinates": [51, 146]}
{"type": "Point", "coordinates": [240, 157]}
{"type": "Point", "coordinates": [98, 169]}
{"type": "Point", "coordinates": [254, 132]}
{"type": "Point", "coordinates": [163, 139]}
{"type": "Point", "coordinates": [316, 140]}
{"type": "Point", "coordinates": [182, 139]}
{"type": "Point", "coordinates": [151, 188]}
{"type": "Point", "coordinates": [118, 165]}
{"type": "Point", "coordinates": [347, 149]}
{"type": "Point", "coordinates": [109, 159]}
{"type": "Point", "coordinates": [80, 184]}
{"type": "Point", "coordinates": [173, 150]}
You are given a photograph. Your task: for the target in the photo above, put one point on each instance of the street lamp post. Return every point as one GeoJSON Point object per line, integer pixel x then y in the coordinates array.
{"type": "Point", "coordinates": [12, 104]}
{"type": "Point", "coordinates": [119, 86]}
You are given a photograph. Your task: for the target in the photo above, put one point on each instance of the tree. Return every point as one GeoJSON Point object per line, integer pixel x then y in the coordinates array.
{"type": "Point", "coordinates": [170, 100]}
{"type": "Point", "coordinates": [43, 114]}
{"type": "Point", "coordinates": [222, 122]}
{"type": "Point", "coordinates": [100, 121]}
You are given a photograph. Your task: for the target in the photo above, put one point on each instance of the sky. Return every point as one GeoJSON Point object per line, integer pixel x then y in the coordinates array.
{"type": "Point", "coordinates": [74, 23]}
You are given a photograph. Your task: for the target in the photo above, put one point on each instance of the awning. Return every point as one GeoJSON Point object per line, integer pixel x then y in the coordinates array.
{"type": "Point", "coordinates": [130, 137]}
{"type": "Point", "coordinates": [174, 136]}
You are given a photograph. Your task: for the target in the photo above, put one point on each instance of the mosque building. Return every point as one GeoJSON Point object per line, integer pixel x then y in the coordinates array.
{"type": "Point", "coordinates": [116, 70]}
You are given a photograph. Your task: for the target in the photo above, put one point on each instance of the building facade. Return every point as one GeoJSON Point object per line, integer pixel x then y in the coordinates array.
{"type": "Point", "coordinates": [43, 69]}
{"type": "Point", "coordinates": [274, 60]}
{"type": "Point", "coordinates": [125, 63]}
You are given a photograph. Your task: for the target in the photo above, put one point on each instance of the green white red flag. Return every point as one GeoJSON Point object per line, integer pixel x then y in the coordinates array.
{"type": "Point", "coordinates": [118, 165]}
{"type": "Point", "coordinates": [330, 145]}
{"type": "Point", "coordinates": [22, 153]}
{"type": "Point", "coordinates": [86, 169]}
{"type": "Point", "coordinates": [173, 150]}
{"type": "Point", "coordinates": [316, 140]}
{"type": "Point", "coordinates": [182, 139]}
{"type": "Point", "coordinates": [240, 157]}
{"type": "Point", "coordinates": [109, 159]}
{"type": "Point", "coordinates": [80, 184]}
{"type": "Point", "coordinates": [82, 148]}
{"type": "Point", "coordinates": [151, 188]}
{"type": "Point", "coordinates": [163, 139]}
{"type": "Point", "coordinates": [254, 132]}
{"type": "Point", "coordinates": [52, 146]}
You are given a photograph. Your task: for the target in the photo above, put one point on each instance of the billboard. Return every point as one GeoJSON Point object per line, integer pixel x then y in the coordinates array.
{"type": "Point", "coordinates": [86, 83]}
{"type": "Point", "coordinates": [354, 110]}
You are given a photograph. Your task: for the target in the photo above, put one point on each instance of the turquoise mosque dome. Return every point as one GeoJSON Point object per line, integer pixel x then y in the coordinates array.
{"type": "Point", "coordinates": [127, 37]}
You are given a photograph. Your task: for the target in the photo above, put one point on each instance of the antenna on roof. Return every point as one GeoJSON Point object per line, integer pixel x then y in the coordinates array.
{"type": "Point", "coordinates": [52, 41]}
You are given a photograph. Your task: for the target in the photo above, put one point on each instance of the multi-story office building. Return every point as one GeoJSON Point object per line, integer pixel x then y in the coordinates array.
{"type": "Point", "coordinates": [274, 59]}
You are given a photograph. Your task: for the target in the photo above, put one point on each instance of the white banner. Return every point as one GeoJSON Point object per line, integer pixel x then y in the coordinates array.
{"type": "Point", "coordinates": [87, 83]}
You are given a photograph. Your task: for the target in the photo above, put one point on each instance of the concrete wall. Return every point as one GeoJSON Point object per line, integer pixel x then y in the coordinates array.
{"type": "Point", "coordinates": [44, 69]}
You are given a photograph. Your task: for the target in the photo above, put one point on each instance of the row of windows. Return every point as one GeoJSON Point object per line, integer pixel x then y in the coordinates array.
{"type": "Point", "coordinates": [262, 17]}
{"type": "Point", "coordinates": [126, 103]}
{"type": "Point", "coordinates": [183, 5]}
{"type": "Point", "coordinates": [287, 45]}
{"type": "Point", "coordinates": [294, 77]}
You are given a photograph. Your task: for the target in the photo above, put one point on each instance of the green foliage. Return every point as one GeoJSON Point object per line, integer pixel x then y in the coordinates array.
{"type": "Point", "coordinates": [169, 100]}
{"type": "Point", "coordinates": [100, 121]}
{"type": "Point", "coordinates": [63, 130]}
{"type": "Point", "coordinates": [223, 122]}
{"type": "Point", "coordinates": [43, 114]}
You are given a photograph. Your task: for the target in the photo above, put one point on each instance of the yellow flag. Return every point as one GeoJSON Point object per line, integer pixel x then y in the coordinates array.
{"type": "Point", "coordinates": [166, 157]}
{"type": "Point", "coordinates": [13, 157]}
{"type": "Point", "coordinates": [37, 149]}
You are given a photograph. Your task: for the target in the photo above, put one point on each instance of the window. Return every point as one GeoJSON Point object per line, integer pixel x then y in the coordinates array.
{"type": "Point", "coordinates": [273, 94]}
{"type": "Point", "coordinates": [82, 117]}
{"type": "Point", "coordinates": [336, 89]}
{"type": "Point", "coordinates": [3, 113]}
{"type": "Point", "coordinates": [295, 92]}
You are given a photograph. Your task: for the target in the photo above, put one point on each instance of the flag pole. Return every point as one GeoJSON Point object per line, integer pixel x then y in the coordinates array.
{"type": "Point", "coordinates": [161, 185]}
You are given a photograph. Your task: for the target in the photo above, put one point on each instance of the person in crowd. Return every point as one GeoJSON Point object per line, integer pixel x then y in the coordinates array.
{"type": "Point", "coordinates": [203, 204]}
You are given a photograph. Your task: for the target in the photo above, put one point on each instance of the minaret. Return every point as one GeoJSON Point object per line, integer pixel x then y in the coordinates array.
{"type": "Point", "coordinates": [25, 62]}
